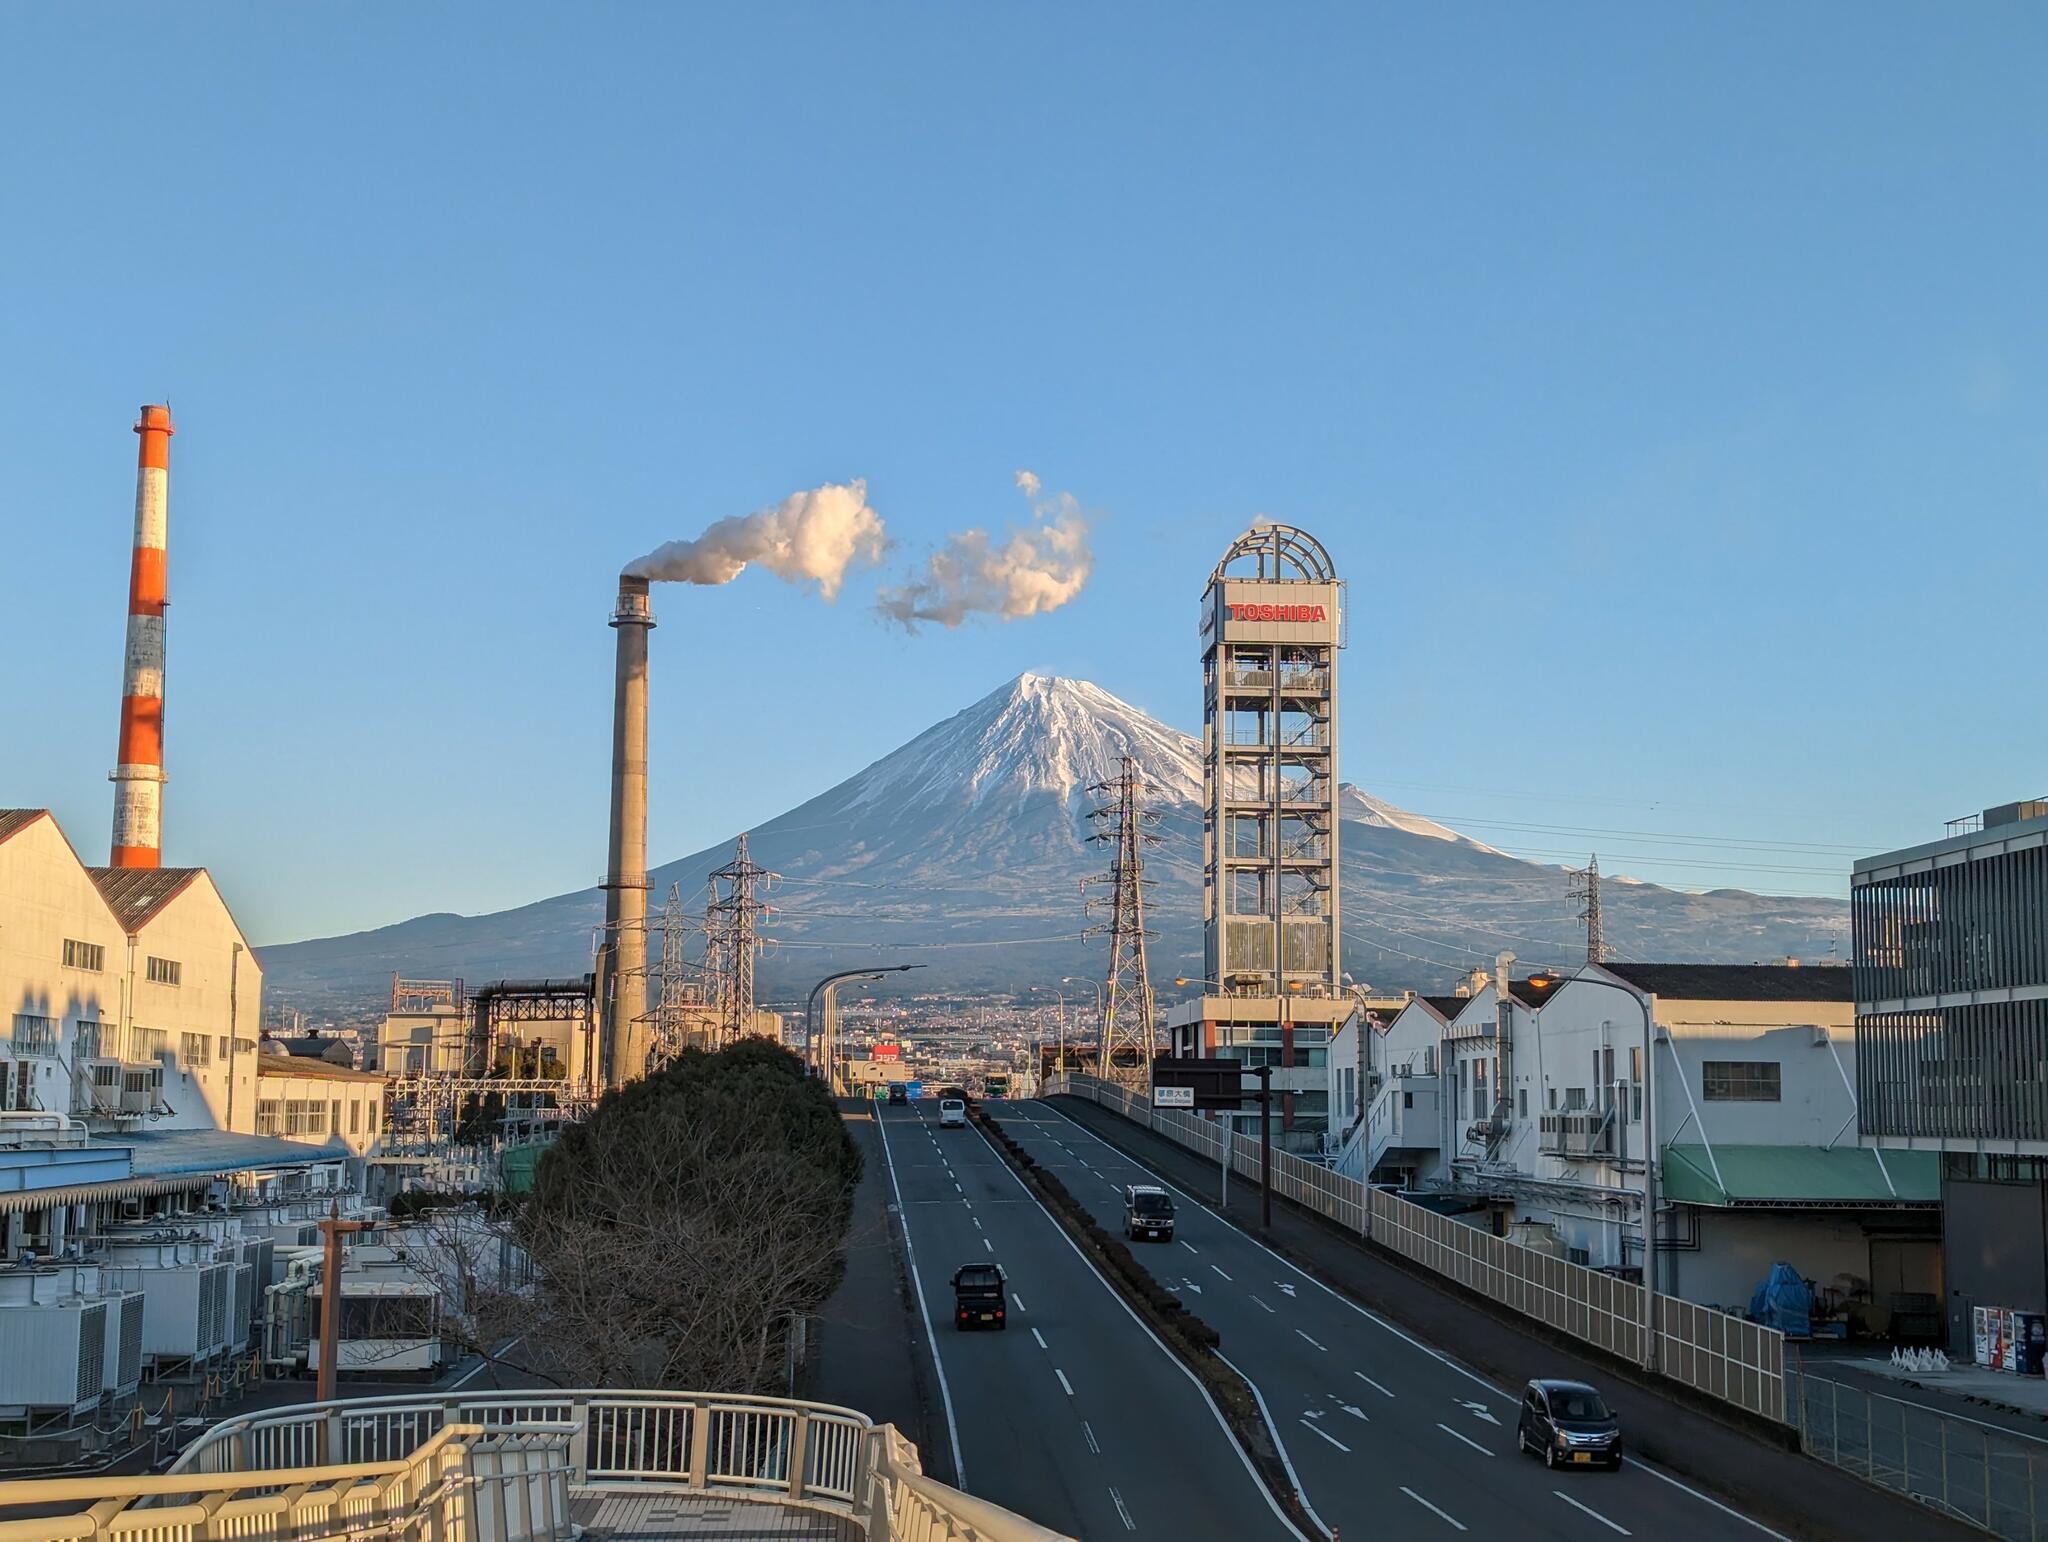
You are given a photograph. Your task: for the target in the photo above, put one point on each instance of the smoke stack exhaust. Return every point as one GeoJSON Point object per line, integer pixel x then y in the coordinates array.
{"type": "Point", "coordinates": [622, 955]}
{"type": "Point", "coordinates": [138, 775]}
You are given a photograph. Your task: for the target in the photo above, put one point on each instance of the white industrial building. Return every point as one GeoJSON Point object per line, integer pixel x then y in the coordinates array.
{"type": "Point", "coordinates": [1531, 1117]}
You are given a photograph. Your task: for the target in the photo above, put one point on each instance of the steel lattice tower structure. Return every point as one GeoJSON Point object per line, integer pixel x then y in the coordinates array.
{"type": "Point", "coordinates": [1272, 622]}
{"type": "Point", "coordinates": [734, 913]}
{"type": "Point", "coordinates": [1585, 888]}
{"type": "Point", "coordinates": [669, 1032]}
{"type": "Point", "coordinates": [1129, 1033]}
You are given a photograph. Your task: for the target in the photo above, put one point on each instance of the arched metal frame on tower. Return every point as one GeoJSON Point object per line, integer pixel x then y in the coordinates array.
{"type": "Point", "coordinates": [1272, 622]}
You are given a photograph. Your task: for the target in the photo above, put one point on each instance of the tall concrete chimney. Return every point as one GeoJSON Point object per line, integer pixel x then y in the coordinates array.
{"type": "Point", "coordinates": [138, 774]}
{"type": "Point", "coordinates": [622, 955]}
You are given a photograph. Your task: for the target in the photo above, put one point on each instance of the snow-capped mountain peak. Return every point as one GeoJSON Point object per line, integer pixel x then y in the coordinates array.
{"type": "Point", "coordinates": [1036, 734]}
{"type": "Point", "coordinates": [1355, 803]}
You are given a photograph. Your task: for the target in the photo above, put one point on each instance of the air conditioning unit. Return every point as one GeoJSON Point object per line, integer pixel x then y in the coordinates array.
{"type": "Point", "coordinates": [55, 1354]}
{"type": "Point", "coordinates": [123, 1372]}
{"type": "Point", "coordinates": [96, 1087]}
{"type": "Point", "coordinates": [142, 1087]}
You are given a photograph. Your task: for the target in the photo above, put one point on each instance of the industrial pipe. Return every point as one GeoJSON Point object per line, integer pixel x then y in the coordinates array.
{"type": "Point", "coordinates": [138, 774]}
{"type": "Point", "coordinates": [622, 955]}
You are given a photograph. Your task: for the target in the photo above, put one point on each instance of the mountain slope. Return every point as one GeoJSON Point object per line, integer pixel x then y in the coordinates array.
{"type": "Point", "coordinates": [966, 849]}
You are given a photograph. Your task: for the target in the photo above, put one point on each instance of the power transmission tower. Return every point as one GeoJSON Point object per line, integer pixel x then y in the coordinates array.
{"type": "Point", "coordinates": [736, 911]}
{"type": "Point", "coordinates": [670, 1028]}
{"type": "Point", "coordinates": [1127, 1014]}
{"type": "Point", "coordinates": [1585, 888]}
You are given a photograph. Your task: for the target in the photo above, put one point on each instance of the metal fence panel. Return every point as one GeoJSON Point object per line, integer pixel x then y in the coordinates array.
{"type": "Point", "coordinates": [1742, 1363]}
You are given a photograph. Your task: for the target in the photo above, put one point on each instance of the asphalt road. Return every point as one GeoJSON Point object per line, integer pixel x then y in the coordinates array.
{"type": "Point", "coordinates": [1075, 1416]}
{"type": "Point", "coordinates": [1387, 1438]}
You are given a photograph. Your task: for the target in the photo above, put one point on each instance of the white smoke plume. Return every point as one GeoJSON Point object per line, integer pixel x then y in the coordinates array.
{"type": "Point", "coordinates": [1037, 569]}
{"type": "Point", "coordinates": [815, 535]}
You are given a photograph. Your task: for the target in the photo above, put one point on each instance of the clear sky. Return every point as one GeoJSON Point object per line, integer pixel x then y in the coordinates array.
{"type": "Point", "coordinates": [1670, 383]}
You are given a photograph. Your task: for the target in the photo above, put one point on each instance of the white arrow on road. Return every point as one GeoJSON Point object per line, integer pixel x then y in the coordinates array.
{"type": "Point", "coordinates": [1288, 1288]}
{"type": "Point", "coordinates": [1480, 1410]}
{"type": "Point", "coordinates": [1355, 1412]}
{"type": "Point", "coordinates": [1191, 1285]}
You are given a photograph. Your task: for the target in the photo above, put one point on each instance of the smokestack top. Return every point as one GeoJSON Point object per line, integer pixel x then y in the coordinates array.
{"type": "Point", "coordinates": [155, 427]}
{"type": "Point", "coordinates": [634, 608]}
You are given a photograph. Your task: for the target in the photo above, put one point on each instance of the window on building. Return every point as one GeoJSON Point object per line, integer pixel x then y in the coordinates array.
{"type": "Point", "coordinates": [164, 971]}
{"type": "Point", "coordinates": [86, 1038]}
{"type": "Point", "coordinates": [1522, 1102]}
{"type": "Point", "coordinates": [34, 1035]}
{"type": "Point", "coordinates": [1740, 1081]}
{"type": "Point", "coordinates": [84, 955]}
{"type": "Point", "coordinates": [335, 1124]}
{"type": "Point", "coordinates": [355, 1118]}
{"type": "Point", "coordinates": [148, 1044]}
{"type": "Point", "coordinates": [195, 1049]}
{"type": "Point", "coordinates": [1550, 1098]}
{"type": "Point", "coordinates": [1575, 1099]}
{"type": "Point", "coordinates": [269, 1117]}
{"type": "Point", "coordinates": [376, 1111]}
{"type": "Point", "coordinates": [220, 1048]}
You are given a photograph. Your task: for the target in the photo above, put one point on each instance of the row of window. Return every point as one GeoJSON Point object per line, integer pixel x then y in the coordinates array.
{"type": "Point", "coordinates": [37, 1035]}
{"type": "Point", "coordinates": [1721, 1081]}
{"type": "Point", "coordinates": [314, 1116]}
{"type": "Point", "coordinates": [92, 957]}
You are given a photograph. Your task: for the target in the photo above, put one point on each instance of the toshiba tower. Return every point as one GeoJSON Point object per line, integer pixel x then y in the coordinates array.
{"type": "Point", "coordinates": [1271, 625]}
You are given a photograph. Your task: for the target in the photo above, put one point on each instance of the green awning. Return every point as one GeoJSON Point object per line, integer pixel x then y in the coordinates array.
{"type": "Point", "coordinates": [1787, 1176]}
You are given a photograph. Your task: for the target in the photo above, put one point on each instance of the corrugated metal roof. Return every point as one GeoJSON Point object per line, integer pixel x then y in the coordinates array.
{"type": "Point", "coordinates": [1799, 1175]}
{"type": "Point", "coordinates": [135, 894]}
{"type": "Point", "coordinates": [16, 819]}
{"type": "Point", "coordinates": [162, 1152]}
{"type": "Point", "coordinates": [1738, 982]}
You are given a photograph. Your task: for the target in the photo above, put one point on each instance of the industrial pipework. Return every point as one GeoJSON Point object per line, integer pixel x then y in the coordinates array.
{"type": "Point", "coordinates": [138, 774]}
{"type": "Point", "coordinates": [622, 954]}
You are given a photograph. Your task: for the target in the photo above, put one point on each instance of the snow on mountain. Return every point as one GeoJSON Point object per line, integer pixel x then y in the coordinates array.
{"type": "Point", "coordinates": [1039, 733]}
{"type": "Point", "coordinates": [966, 849]}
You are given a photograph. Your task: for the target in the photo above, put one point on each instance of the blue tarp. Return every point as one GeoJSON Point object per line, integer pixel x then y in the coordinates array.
{"type": "Point", "coordinates": [1783, 1302]}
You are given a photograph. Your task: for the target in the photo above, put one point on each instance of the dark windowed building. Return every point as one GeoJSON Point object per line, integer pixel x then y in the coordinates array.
{"type": "Point", "coordinates": [1951, 981]}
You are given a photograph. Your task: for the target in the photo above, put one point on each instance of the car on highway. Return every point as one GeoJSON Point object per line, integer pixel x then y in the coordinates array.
{"type": "Point", "coordinates": [979, 1299]}
{"type": "Point", "coordinates": [1568, 1424]}
{"type": "Point", "coordinates": [898, 1093]}
{"type": "Point", "coordinates": [1148, 1212]}
{"type": "Point", "coordinates": [952, 1112]}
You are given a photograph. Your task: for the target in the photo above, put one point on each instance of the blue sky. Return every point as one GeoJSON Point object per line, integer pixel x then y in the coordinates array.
{"type": "Point", "coordinates": [1667, 381]}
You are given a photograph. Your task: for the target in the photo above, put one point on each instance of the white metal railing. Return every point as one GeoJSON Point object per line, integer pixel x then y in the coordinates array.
{"type": "Point", "coordinates": [1740, 1362]}
{"type": "Point", "coordinates": [813, 1455]}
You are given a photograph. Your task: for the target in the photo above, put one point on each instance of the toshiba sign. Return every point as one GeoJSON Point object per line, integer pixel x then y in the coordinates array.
{"type": "Point", "coordinates": [1275, 612]}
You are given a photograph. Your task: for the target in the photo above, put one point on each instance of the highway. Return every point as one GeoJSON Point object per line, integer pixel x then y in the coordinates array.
{"type": "Point", "coordinates": [1076, 1416]}
{"type": "Point", "coordinates": [1387, 1438]}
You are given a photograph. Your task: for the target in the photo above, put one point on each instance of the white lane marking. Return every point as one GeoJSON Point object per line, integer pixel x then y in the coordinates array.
{"type": "Point", "coordinates": [910, 1257]}
{"type": "Point", "coordinates": [1475, 1445]}
{"type": "Point", "coordinates": [1603, 1520]}
{"type": "Point", "coordinates": [1017, 1301]}
{"type": "Point", "coordinates": [977, 1222]}
{"type": "Point", "coordinates": [967, 1202]}
{"type": "Point", "coordinates": [1286, 1461]}
{"type": "Point", "coordinates": [1088, 1430]}
{"type": "Point", "coordinates": [1129, 1524]}
{"type": "Point", "coordinates": [1407, 1338]}
{"type": "Point", "coordinates": [1355, 1411]}
{"type": "Point", "coordinates": [1312, 1341]}
{"type": "Point", "coordinates": [1065, 1385]}
{"type": "Point", "coordinates": [988, 1244]}
{"type": "Point", "coordinates": [1190, 1247]}
{"type": "Point", "coordinates": [1479, 1411]}
{"type": "Point", "coordinates": [1432, 1508]}
{"type": "Point", "coordinates": [1332, 1439]}
{"type": "Point", "coordinates": [1261, 1303]}
{"type": "Point", "coordinates": [500, 1352]}
{"type": "Point", "coordinates": [1041, 1339]}
{"type": "Point", "coordinates": [1372, 1384]}
{"type": "Point", "coordinates": [1243, 1456]}
{"type": "Point", "coordinates": [1219, 1271]}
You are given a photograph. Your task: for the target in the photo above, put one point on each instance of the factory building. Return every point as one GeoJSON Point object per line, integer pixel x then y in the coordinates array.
{"type": "Point", "coordinates": [1271, 624]}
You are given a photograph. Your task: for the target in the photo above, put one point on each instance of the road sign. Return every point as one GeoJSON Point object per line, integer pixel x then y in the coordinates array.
{"type": "Point", "coordinates": [1173, 1097]}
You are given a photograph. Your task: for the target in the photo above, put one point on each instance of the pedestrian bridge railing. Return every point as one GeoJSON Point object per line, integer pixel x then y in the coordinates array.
{"type": "Point", "coordinates": [1742, 1363]}
{"type": "Point", "coordinates": [509, 1467]}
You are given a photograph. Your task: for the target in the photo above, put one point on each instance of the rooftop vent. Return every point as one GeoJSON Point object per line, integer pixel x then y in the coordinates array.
{"type": "Point", "coordinates": [2013, 813]}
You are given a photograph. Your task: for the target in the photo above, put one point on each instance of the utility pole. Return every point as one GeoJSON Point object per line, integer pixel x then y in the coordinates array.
{"type": "Point", "coordinates": [1122, 824]}
{"type": "Point", "coordinates": [1265, 1076]}
{"type": "Point", "coordinates": [1585, 888]}
{"type": "Point", "coordinates": [737, 910]}
{"type": "Point", "coordinates": [332, 1229]}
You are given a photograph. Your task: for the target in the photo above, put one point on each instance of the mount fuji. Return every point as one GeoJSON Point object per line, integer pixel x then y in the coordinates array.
{"type": "Point", "coordinates": [966, 850]}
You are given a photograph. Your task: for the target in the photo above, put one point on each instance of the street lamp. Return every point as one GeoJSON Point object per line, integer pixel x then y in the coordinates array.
{"type": "Point", "coordinates": [1649, 1165]}
{"type": "Point", "coordinates": [831, 980]}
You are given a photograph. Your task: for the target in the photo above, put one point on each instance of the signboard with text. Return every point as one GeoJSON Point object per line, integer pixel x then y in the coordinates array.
{"type": "Point", "coordinates": [1173, 1097]}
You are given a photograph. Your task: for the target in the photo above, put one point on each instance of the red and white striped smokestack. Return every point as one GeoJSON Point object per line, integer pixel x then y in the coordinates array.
{"type": "Point", "coordinates": [139, 777]}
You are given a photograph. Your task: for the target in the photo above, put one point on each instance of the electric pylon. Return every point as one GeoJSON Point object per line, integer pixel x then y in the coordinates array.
{"type": "Point", "coordinates": [734, 913]}
{"type": "Point", "coordinates": [1128, 1034]}
{"type": "Point", "coordinates": [1585, 888]}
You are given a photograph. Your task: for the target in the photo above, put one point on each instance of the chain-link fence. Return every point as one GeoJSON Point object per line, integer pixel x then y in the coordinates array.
{"type": "Point", "coordinates": [1976, 1472]}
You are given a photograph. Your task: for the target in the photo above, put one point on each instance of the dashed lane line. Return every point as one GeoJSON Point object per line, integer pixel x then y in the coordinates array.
{"type": "Point", "coordinates": [1088, 1431]}
{"type": "Point", "coordinates": [1475, 1445]}
{"type": "Point", "coordinates": [1118, 1500]}
{"type": "Point", "coordinates": [1312, 1341]}
{"type": "Point", "coordinates": [1383, 1392]}
{"type": "Point", "coordinates": [1219, 1271]}
{"type": "Point", "coordinates": [1261, 1303]}
{"type": "Point", "coordinates": [910, 1257]}
{"type": "Point", "coordinates": [1319, 1430]}
{"type": "Point", "coordinates": [1065, 1385]}
{"type": "Point", "coordinates": [1603, 1520]}
{"type": "Point", "coordinates": [1041, 1339]}
{"type": "Point", "coordinates": [1433, 1510]}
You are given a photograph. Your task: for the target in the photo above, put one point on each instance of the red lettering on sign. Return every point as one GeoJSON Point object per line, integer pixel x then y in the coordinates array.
{"type": "Point", "coordinates": [1244, 612]}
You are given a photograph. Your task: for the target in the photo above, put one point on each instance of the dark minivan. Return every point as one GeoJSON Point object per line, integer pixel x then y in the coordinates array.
{"type": "Point", "coordinates": [979, 1298]}
{"type": "Point", "coordinates": [1569, 1424]}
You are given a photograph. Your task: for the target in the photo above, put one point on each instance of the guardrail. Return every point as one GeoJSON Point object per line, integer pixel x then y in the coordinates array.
{"type": "Point", "coordinates": [1741, 1363]}
{"type": "Point", "coordinates": [779, 1450]}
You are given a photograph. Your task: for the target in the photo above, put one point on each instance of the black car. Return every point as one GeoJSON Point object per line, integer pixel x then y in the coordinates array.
{"type": "Point", "coordinates": [979, 1299]}
{"type": "Point", "coordinates": [1569, 1424]}
{"type": "Point", "coordinates": [898, 1093]}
